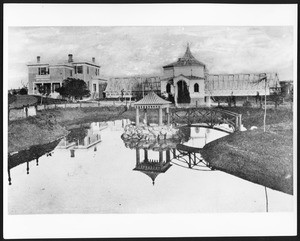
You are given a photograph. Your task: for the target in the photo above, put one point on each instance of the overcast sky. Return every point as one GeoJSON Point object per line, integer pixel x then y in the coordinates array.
{"type": "Point", "coordinates": [125, 51]}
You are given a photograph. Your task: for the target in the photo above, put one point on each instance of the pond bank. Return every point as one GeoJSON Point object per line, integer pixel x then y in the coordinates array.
{"type": "Point", "coordinates": [265, 158]}
{"type": "Point", "coordinates": [50, 125]}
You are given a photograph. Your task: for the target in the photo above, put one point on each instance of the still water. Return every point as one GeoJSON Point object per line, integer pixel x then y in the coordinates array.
{"type": "Point", "coordinates": [92, 171]}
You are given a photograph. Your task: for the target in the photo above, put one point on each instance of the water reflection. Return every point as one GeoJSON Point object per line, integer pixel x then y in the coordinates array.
{"type": "Point", "coordinates": [33, 153]}
{"type": "Point", "coordinates": [188, 153]}
{"type": "Point", "coordinates": [154, 166]}
{"type": "Point", "coordinates": [91, 180]}
{"type": "Point", "coordinates": [190, 157]}
{"type": "Point", "coordinates": [83, 137]}
{"type": "Point", "coordinates": [199, 136]}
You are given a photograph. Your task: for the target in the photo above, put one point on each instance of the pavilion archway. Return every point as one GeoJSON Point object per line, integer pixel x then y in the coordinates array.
{"type": "Point", "coordinates": [183, 94]}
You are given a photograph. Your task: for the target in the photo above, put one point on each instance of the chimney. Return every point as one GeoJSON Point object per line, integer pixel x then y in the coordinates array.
{"type": "Point", "coordinates": [93, 59]}
{"type": "Point", "coordinates": [70, 60]}
{"type": "Point", "coordinates": [38, 59]}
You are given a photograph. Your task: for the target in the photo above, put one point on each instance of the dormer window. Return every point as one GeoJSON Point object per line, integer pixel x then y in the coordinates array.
{"type": "Point", "coordinates": [78, 69]}
{"type": "Point", "coordinates": [43, 71]}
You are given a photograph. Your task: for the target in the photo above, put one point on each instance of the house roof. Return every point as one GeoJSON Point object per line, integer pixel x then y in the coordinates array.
{"type": "Point", "coordinates": [250, 77]}
{"type": "Point", "coordinates": [152, 100]}
{"type": "Point", "coordinates": [128, 84]}
{"type": "Point", "coordinates": [116, 85]}
{"type": "Point", "coordinates": [187, 60]}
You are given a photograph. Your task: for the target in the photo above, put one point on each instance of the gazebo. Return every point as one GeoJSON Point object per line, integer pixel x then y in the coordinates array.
{"type": "Point", "coordinates": [152, 101]}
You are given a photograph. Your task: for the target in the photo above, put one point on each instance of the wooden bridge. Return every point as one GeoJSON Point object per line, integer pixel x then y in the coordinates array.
{"type": "Point", "coordinates": [209, 116]}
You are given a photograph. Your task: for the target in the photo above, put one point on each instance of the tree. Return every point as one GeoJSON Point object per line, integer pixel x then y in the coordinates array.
{"type": "Point", "coordinates": [73, 88]}
{"type": "Point", "coordinates": [276, 97]}
{"type": "Point", "coordinates": [23, 91]}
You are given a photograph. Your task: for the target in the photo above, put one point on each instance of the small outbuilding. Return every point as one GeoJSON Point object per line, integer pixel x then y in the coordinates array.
{"type": "Point", "coordinates": [152, 101]}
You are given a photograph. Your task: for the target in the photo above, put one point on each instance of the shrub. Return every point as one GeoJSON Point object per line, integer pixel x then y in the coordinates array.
{"type": "Point", "coordinates": [247, 104]}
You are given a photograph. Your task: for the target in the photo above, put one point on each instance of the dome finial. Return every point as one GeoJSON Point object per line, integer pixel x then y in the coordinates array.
{"type": "Point", "coordinates": [188, 53]}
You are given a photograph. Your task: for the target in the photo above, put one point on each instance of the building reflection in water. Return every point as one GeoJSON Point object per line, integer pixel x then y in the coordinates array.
{"type": "Point", "coordinates": [198, 137]}
{"type": "Point", "coordinates": [152, 167]}
{"type": "Point", "coordinates": [118, 125]}
{"type": "Point", "coordinates": [83, 137]}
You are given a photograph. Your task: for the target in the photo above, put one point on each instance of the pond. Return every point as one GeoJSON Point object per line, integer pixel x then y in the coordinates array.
{"type": "Point", "coordinates": [93, 171]}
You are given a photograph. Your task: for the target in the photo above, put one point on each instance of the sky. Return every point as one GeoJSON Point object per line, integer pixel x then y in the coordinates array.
{"type": "Point", "coordinates": [127, 51]}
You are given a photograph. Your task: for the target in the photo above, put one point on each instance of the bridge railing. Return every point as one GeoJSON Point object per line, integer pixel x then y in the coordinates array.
{"type": "Point", "coordinates": [209, 116]}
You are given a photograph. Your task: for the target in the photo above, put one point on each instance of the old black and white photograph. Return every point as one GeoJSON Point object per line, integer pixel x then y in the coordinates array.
{"type": "Point", "coordinates": [161, 120]}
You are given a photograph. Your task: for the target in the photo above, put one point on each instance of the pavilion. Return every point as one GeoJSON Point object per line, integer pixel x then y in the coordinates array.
{"type": "Point", "coordinates": [152, 101]}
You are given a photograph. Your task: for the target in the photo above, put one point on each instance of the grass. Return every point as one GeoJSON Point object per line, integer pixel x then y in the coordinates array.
{"type": "Point", "coordinates": [265, 158]}
{"type": "Point", "coordinates": [42, 129]}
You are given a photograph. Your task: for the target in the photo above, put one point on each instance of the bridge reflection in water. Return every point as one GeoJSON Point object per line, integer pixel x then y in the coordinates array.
{"type": "Point", "coordinates": [185, 155]}
{"type": "Point", "coordinates": [189, 157]}
{"type": "Point", "coordinates": [161, 161]}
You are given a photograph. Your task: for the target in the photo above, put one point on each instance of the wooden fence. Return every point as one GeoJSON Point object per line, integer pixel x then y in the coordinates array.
{"type": "Point", "coordinates": [20, 113]}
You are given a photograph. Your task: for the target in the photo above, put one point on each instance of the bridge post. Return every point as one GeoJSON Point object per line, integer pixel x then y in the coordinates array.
{"type": "Point", "coordinates": [240, 122]}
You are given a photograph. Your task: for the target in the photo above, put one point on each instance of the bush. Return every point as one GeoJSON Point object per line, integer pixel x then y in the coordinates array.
{"type": "Point", "coordinates": [247, 104]}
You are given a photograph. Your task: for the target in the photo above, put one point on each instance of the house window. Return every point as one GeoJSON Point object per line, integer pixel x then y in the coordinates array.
{"type": "Point", "coordinates": [43, 71]}
{"type": "Point", "coordinates": [94, 87]}
{"type": "Point", "coordinates": [88, 70]}
{"type": "Point", "coordinates": [78, 69]}
{"type": "Point", "coordinates": [71, 72]}
{"type": "Point", "coordinates": [196, 87]}
{"type": "Point", "coordinates": [96, 71]}
{"type": "Point", "coordinates": [55, 86]}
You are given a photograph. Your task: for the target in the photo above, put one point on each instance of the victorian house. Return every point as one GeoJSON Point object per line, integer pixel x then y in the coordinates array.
{"type": "Point", "coordinates": [52, 75]}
